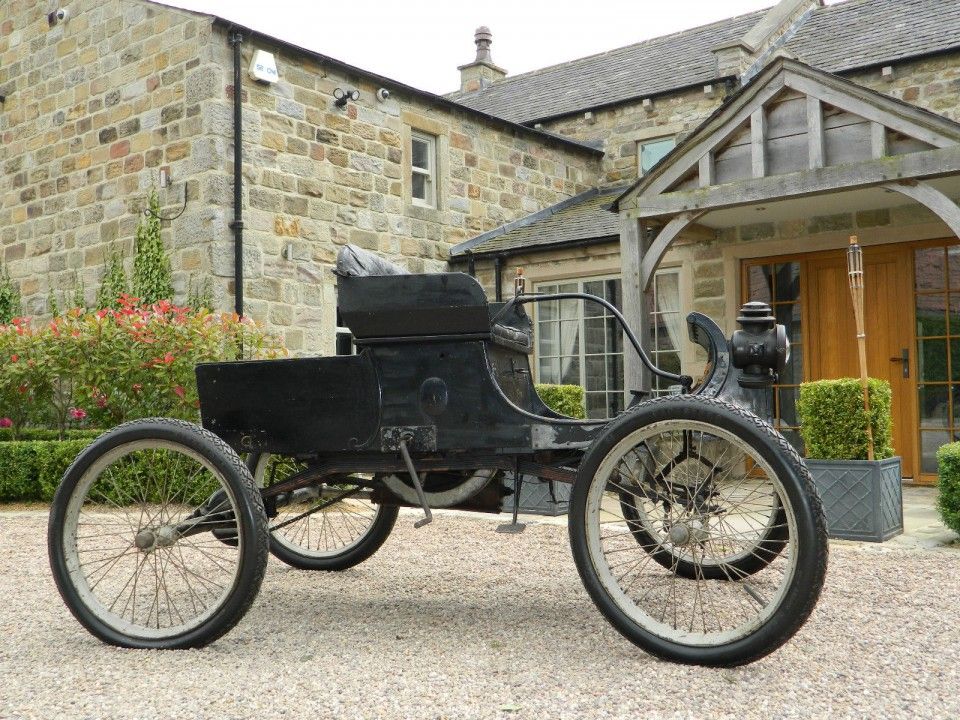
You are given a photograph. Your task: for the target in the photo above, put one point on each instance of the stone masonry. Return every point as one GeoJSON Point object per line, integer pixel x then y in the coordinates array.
{"type": "Point", "coordinates": [96, 105]}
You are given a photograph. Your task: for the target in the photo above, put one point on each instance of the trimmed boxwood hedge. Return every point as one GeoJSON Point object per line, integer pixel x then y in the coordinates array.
{"type": "Point", "coordinates": [564, 399]}
{"type": "Point", "coordinates": [833, 423]}
{"type": "Point", "coordinates": [30, 471]}
{"type": "Point", "coordinates": [948, 497]}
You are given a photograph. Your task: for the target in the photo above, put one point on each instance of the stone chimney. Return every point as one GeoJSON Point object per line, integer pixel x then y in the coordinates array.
{"type": "Point", "coordinates": [763, 40]}
{"type": "Point", "coordinates": [481, 72]}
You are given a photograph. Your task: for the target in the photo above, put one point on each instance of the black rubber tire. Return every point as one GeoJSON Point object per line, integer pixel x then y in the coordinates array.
{"type": "Point", "coordinates": [377, 534]}
{"type": "Point", "coordinates": [769, 547]}
{"type": "Point", "coordinates": [811, 545]}
{"type": "Point", "coordinates": [251, 522]}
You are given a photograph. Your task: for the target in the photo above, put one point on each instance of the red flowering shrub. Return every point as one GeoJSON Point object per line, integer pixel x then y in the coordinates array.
{"type": "Point", "coordinates": [113, 365]}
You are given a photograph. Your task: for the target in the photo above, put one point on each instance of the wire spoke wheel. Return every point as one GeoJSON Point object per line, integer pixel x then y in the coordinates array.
{"type": "Point", "coordinates": [132, 541]}
{"type": "Point", "coordinates": [323, 526]}
{"type": "Point", "coordinates": [697, 532]}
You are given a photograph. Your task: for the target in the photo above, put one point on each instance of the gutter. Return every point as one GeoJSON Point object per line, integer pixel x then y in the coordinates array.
{"type": "Point", "coordinates": [236, 40]}
{"type": "Point", "coordinates": [437, 100]}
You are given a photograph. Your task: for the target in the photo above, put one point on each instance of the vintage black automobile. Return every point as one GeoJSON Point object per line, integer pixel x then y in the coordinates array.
{"type": "Point", "coordinates": [694, 525]}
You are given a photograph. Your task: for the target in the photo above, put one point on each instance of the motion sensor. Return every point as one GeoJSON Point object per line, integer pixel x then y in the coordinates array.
{"type": "Point", "coordinates": [383, 94]}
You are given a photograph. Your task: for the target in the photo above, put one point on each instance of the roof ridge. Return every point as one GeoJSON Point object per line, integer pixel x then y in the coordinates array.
{"type": "Point", "coordinates": [691, 30]}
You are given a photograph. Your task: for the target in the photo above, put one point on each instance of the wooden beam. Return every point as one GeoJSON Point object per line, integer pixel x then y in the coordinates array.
{"type": "Point", "coordinates": [815, 133]}
{"type": "Point", "coordinates": [945, 208]}
{"type": "Point", "coordinates": [869, 173]}
{"type": "Point", "coordinates": [878, 139]}
{"type": "Point", "coordinates": [658, 248]}
{"type": "Point", "coordinates": [707, 177]}
{"type": "Point", "coordinates": [866, 110]}
{"type": "Point", "coordinates": [758, 142]}
{"type": "Point", "coordinates": [632, 248]}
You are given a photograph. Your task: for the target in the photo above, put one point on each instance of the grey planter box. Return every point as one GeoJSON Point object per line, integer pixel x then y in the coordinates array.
{"type": "Point", "coordinates": [535, 496]}
{"type": "Point", "coordinates": [862, 499]}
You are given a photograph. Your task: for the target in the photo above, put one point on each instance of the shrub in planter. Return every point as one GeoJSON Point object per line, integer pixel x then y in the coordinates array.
{"type": "Point", "coordinates": [862, 499]}
{"type": "Point", "coordinates": [564, 399]}
{"type": "Point", "coordinates": [948, 497]}
{"type": "Point", "coordinates": [833, 422]}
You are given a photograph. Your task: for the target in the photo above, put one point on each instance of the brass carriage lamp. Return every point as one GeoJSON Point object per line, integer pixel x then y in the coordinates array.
{"type": "Point", "coordinates": [855, 275]}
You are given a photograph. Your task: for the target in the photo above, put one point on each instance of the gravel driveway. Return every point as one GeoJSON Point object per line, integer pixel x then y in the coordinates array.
{"type": "Point", "coordinates": [457, 621]}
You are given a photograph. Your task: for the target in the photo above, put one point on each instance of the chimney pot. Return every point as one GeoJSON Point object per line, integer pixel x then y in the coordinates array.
{"type": "Point", "coordinates": [483, 39]}
{"type": "Point", "coordinates": [481, 72]}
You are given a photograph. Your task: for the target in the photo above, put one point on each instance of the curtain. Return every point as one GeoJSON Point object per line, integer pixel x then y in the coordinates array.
{"type": "Point", "coordinates": [668, 305]}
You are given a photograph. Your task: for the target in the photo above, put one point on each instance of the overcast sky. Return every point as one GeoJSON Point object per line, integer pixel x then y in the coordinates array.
{"type": "Point", "coordinates": [421, 42]}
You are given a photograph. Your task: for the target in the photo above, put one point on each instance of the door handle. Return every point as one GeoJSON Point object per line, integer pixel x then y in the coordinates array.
{"type": "Point", "coordinates": [904, 358]}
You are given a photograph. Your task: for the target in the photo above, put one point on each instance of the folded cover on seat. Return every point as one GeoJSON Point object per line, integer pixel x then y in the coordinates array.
{"type": "Point", "coordinates": [356, 262]}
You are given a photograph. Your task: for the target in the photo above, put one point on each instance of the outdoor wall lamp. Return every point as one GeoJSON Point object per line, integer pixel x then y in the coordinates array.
{"type": "Point", "coordinates": [342, 97]}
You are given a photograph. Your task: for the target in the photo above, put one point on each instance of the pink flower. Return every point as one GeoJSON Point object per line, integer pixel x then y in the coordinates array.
{"type": "Point", "coordinates": [6, 422]}
{"type": "Point", "coordinates": [77, 413]}
{"type": "Point", "coordinates": [137, 387]}
{"type": "Point", "coordinates": [102, 401]}
{"type": "Point", "coordinates": [180, 392]}
{"type": "Point", "coordinates": [14, 357]}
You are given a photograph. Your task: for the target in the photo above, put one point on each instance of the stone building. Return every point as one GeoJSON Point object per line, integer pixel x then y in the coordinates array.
{"type": "Point", "coordinates": [738, 157]}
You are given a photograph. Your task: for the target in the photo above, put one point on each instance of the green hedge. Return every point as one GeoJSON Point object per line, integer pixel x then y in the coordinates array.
{"type": "Point", "coordinates": [833, 423]}
{"type": "Point", "coordinates": [948, 497]}
{"type": "Point", "coordinates": [564, 399]}
{"type": "Point", "coordinates": [6, 434]}
{"type": "Point", "coordinates": [30, 471]}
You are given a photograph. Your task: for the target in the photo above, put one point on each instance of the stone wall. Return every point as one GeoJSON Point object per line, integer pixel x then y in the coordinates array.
{"type": "Point", "coordinates": [620, 128]}
{"type": "Point", "coordinates": [95, 105]}
{"type": "Point", "coordinates": [318, 176]}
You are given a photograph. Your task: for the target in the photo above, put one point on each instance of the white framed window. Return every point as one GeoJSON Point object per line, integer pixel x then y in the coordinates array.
{"type": "Point", "coordinates": [666, 326]}
{"type": "Point", "coordinates": [581, 343]}
{"type": "Point", "coordinates": [423, 169]}
{"type": "Point", "coordinates": [650, 152]}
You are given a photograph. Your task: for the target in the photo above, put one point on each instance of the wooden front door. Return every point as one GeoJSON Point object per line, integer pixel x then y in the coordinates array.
{"type": "Point", "coordinates": [888, 310]}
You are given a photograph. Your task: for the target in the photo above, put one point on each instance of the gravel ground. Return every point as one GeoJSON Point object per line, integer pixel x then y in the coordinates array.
{"type": "Point", "coordinates": [457, 621]}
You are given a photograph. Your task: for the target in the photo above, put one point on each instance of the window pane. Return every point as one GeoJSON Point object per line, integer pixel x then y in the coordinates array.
{"type": "Point", "coordinates": [419, 186]}
{"type": "Point", "coordinates": [787, 285]}
{"type": "Point", "coordinates": [421, 154]}
{"type": "Point", "coordinates": [614, 403]}
{"type": "Point", "coordinates": [953, 266]}
{"type": "Point", "coordinates": [614, 335]}
{"type": "Point", "coordinates": [933, 406]}
{"type": "Point", "coordinates": [932, 357]}
{"type": "Point", "coordinates": [615, 372]}
{"type": "Point", "coordinates": [929, 266]}
{"type": "Point", "coordinates": [931, 315]}
{"type": "Point", "coordinates": [570, 371]}
{"type": "Point", "coordinates": [595, 372]}
{"type": "Point", "coordinates": [547, 335]}
{"type": "Point", "coordinates": [760, 283]}
{"type": "Point", "coordinates": [548, 310]}
{"type": "Point", "coordinates": [596, 405]}
{"type": "Point", "coordinates": [930, 442]}
{"type": "Point", "coordinates": [954, 314]}
{"type": "Point", "coordinates": [595, 331]}
{"type": "Point", "coordinates": [652, 152]}
{"type": "Point", "coordinates": [613, 293]}
{"type": "Point", "coordinates": [570, 337]}
{"type": "Point", "coordinates": [550, 371]}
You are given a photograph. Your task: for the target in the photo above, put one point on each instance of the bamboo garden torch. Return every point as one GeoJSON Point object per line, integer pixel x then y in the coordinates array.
{"type": "Point", "coordinates": [855, 273]}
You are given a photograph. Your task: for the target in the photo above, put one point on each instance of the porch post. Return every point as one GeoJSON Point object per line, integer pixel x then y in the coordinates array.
{"type": "Point", "coordinates": [633, 245]}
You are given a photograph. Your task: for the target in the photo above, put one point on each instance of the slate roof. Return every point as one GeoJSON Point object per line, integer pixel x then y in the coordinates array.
{"type": "Point", "coordinates": [864, 33]}
{"type": "Point", "coordinates": [654, 66]}
{"type": "Point", "coordinates": [837, 38]}
{"type": "Point", "coordinates": [584, 217]}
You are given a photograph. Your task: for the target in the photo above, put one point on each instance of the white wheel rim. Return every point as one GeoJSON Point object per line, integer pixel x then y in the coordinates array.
{"type": "Point", "coordinates": [694, 612]}
{"type": "Point", "coordinates": [161, 593]}
{"type": "Point", "coordinates": [327, 533]}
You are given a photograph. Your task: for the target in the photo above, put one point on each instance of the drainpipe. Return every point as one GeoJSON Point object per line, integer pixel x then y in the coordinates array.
{"type": "Point", "coordinates": [497, 281]}
{"type": "Point", "coordinates": [236, 39]}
